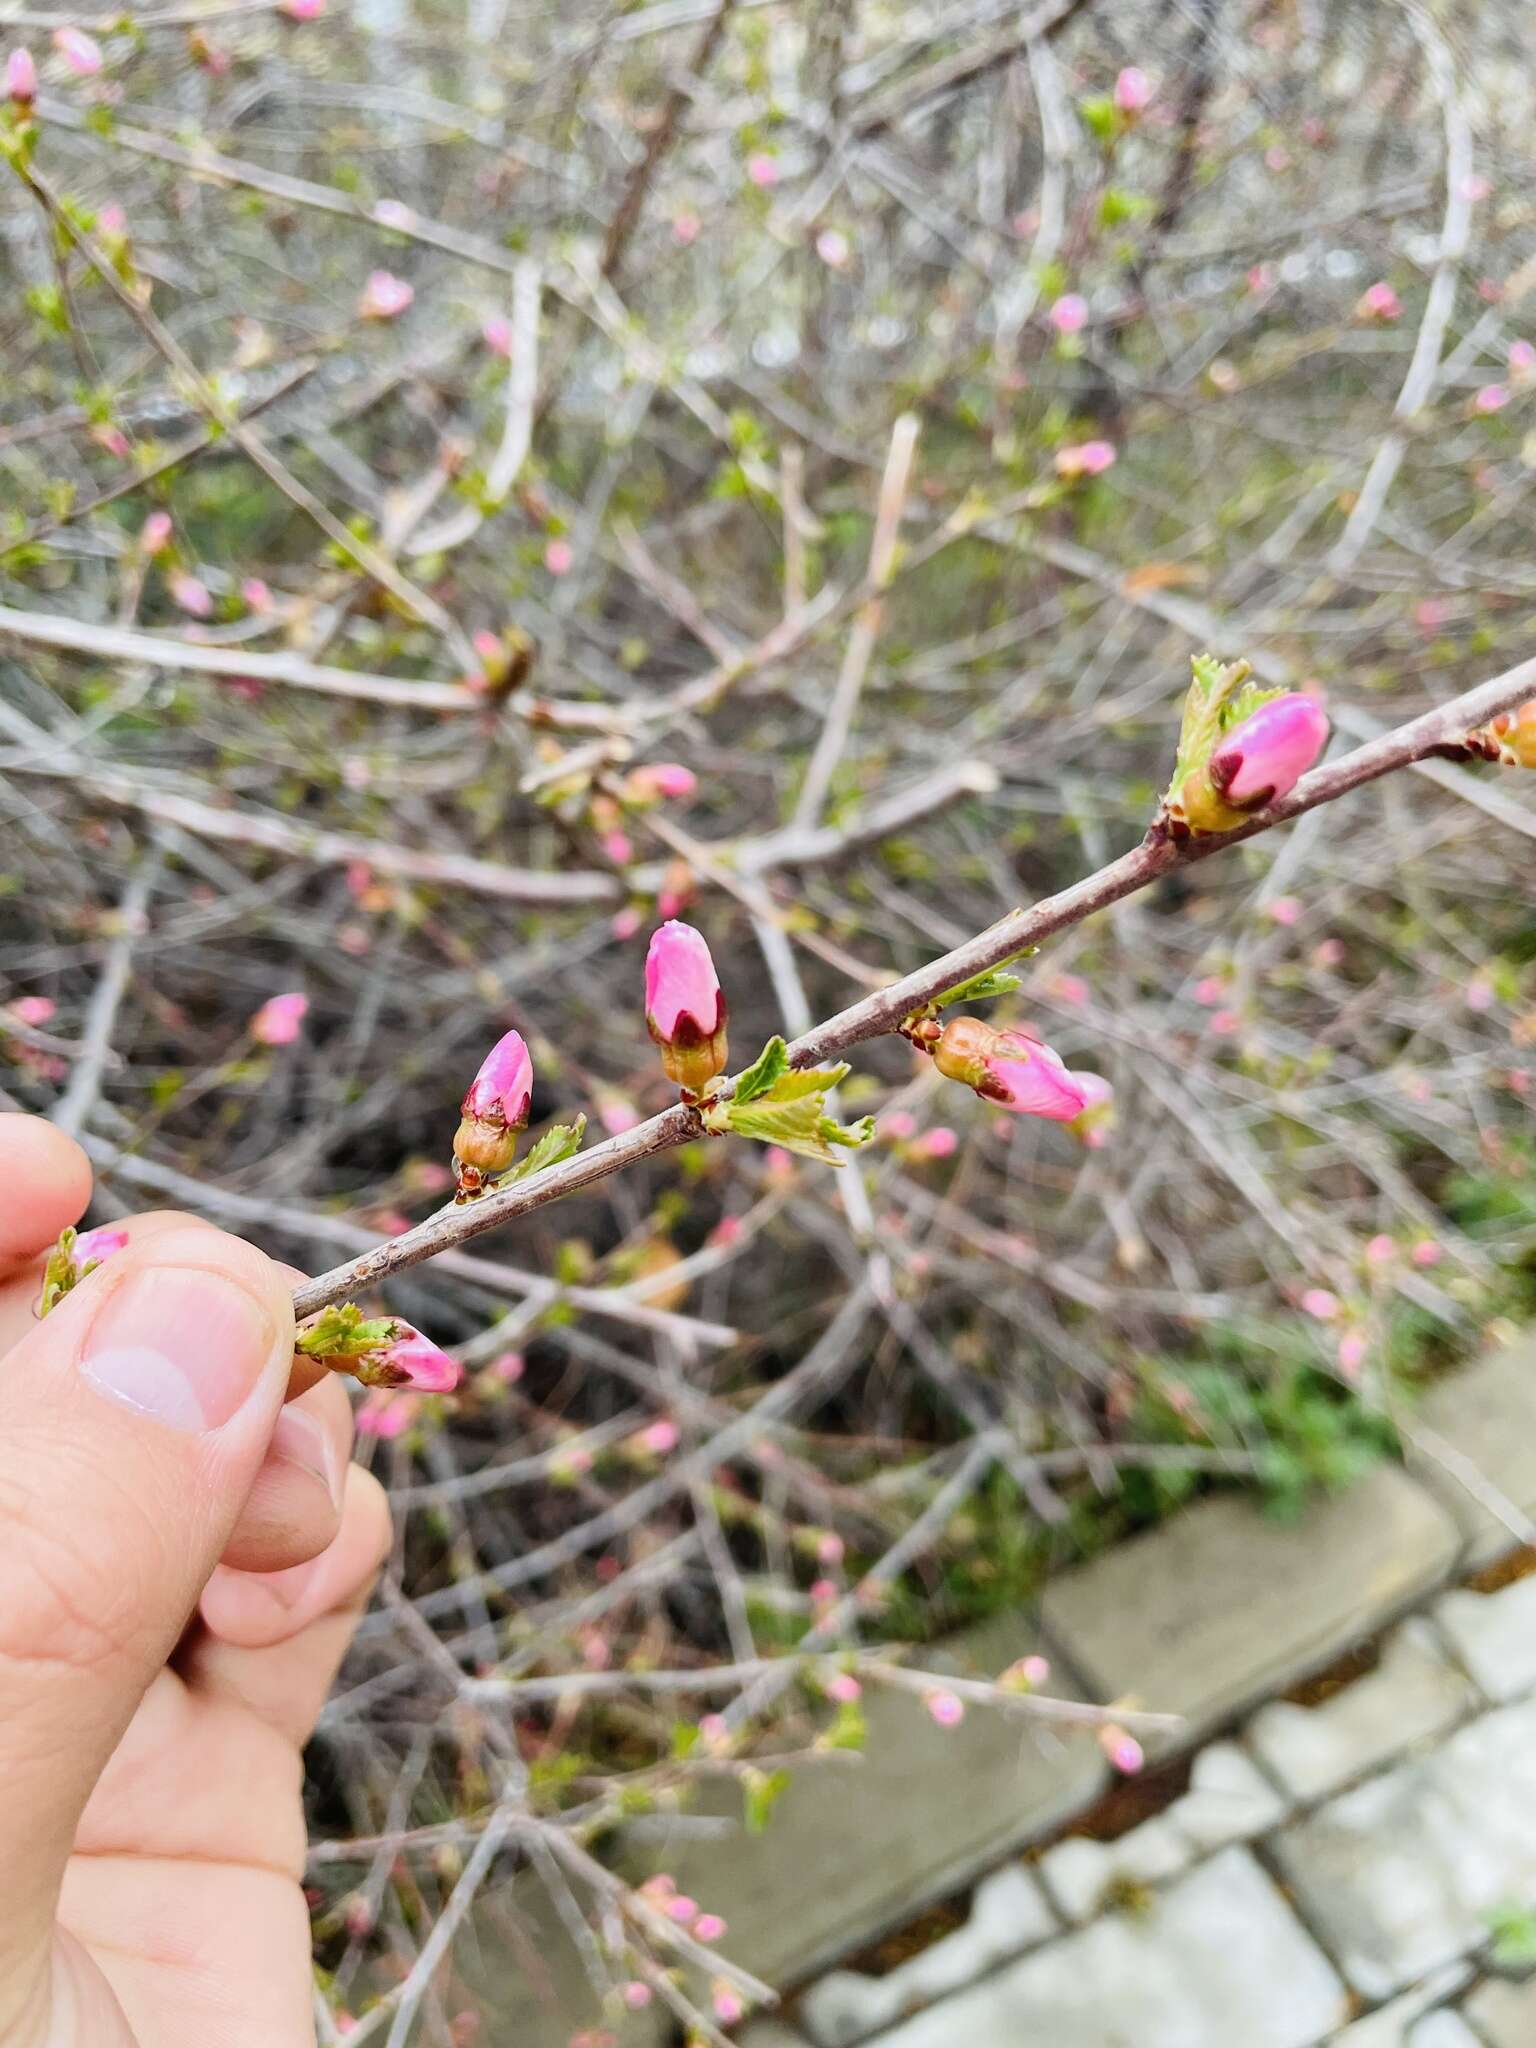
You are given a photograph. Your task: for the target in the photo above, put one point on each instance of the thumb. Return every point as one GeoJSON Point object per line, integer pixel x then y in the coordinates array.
{"type": "Point", "coordinates": [134, 1421]}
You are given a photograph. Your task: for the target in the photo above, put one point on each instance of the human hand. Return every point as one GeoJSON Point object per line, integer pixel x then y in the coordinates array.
{"type": "Point", "coordinates": [182, 1563]}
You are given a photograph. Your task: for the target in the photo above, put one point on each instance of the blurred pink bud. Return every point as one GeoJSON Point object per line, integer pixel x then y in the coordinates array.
{"type": "Point", "coordinates": [939, 1143]}
{"type": "Point", "coordinates": [844, 1688]}
{"type": "Point", "coordinates": [112, 221]}
{"type": "Point", "coordinates": [830, 1549]}
{"type": "Point", "coordinates": [559, 558]}
{"type": "Point", "coordinates": [660, 1439]}
{"type": "Point", "coordinates": [384, 296]}
{"type": "Point", "coordinates": [111, 438]}
{"type": "Point", "coordinates": [658, 1888]}
{"type": "Point", "coordinates": [726, 1232]}
{"type": "Point", "coordinates": [618, 847]}
{"type": "Point", "coordinates": [34, 1010]}
{"type": "Point", "coordinates": [278, 1020]}
{"type": "Point", "coordinates": [763, 170]}
{"type": "Point", "coordinates": [1035, 1670]}
{"type": "Point", "coordinates": [1261, 278]}
{"type": "Point", "coordinates": [1480, 993]}
{"type": "Point", "coordinates": [1133, 90]}
{"type": "Point", "coordinates": [386, 1415]}
{"type": "Point", "coordinates": [686, 225]}
{"type": "Point", "coordinates": [626, 922]}
{"type": "Point", "coordinates": [662, 779]}
{"type": "Point", "coordinates": [833, 248]}
{"type": "Point", "coordinates": [1069, 315]}
{"type": "Point", "coordinates": [945, 1708]}
{"type": "Point", "coordinates": [682, 1909]}
{"type": "Point", "coordinates": [191, 593]}
{"type": "Point", "coordinates": [1225, 1023]}
{"type": "Point", "coordinates": [92, 1246]}
{"type": "Point", "coordinates": [708, 1927]}
{"type": "Point", "coordinates": [1379, 302]}
{"type": "Point", "coordinates": [501, 1091]}
{"type": "Point", "coordinates": [823, 1592]}
{"type": "Point", "coordinates": [81, 53]}
{"type": "Point", "coordinates": [900, 1124]}
{"type": "Point", "coordinates": [715, 1732]}
{"type": "Point", "coordinates": [1319, 1302]}
{"type": "Point", "coordinates": [21, 77]}
{"type": "Point", "coordinates": [1427, 1253]}
{"type": "Point", "coordinates": [1037, 1085]}
{"type": "Point", "coordinates": [616, 1113]}
{"type": "Point", "coordinates": [303, 10]}
{"type": "Point", "coordinates": [1380, 1249]}
{"type": "Point", "coordinates": [1285, 910]}
{"type": "Point", "coordinates": [497, 336]}
{"type": "Point", "coordinates": [1474, 188]}
{"type": "Point", "coordinates": [1329, 954]}
{"type": "Point", "coordinates": [1522, 359]}
{"type": "Point", "coordinates": [777, 1163]}
{"type": "Point", "coordinates": [1210, 990]}
{"type": "Point", "coordinates": [1123, 1750]}
{"type": "Point", "coordinates": [1087, 458]}
{"type": "Point", "coordinates": [684, 1007]}
{"type": "Point", "coordinates": [1266, 756]}
{"type": "Point", "coordinates": [393, 213]}
{"type": "Point", "coordinates": [256, 594]}
{"type": "Point", "coordinates": [1431, 613]}
{"type": "Point", "coordinates": [1068, 988]}
{"type": "Point", "coordinates": [1352, 1353]}
{"type": "Point", "coordinates": [1492, 398]}
{"type": "Point", "coordinates": [411, 1360]}
{"type": "Point", "coordinates": [636, 1995]}
{"type": "Point", "coordinates": [508, 1367]}
{"type": "Point", "coordinates": [727, 2004]}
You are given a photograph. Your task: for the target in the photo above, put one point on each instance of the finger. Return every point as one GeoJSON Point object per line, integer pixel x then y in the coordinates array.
{"type": "Point", "coordinates": [273, 1642]}
{"type": "Point", "coordinates": [136, 1419]}
{"type": "Point", "coordinates": [46, 1184]}
{"type": "Point", "coordinates": [293, 1509]}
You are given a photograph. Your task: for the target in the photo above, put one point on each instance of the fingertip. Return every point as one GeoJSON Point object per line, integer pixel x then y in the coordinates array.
{"type": "Point", "coordinates": [257, 1610]}
{"type": "Point", "coordinates": [45, 1183]}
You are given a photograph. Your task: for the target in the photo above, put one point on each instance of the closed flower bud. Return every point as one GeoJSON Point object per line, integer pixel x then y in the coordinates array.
{"type": "Point", "coordinates": [1516, 734]}
{"type": "Point", "coordinates": [1012, 1069]}
{"type": "Point", "coordinates": [21, 77]}
{"type": "Point", "coordinates": [82, 53]}
{"type": "Point", "coordinates": [494, 1110]}
{"type": "Point", "coordinates": [410, 1360]}
{"type": "Point", "coordinates": [684, 1006]}
{"type": "Point", "coordinates": [1256, 763]}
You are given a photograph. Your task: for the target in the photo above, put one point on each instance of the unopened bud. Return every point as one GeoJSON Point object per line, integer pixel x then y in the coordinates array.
{"type": "Point", "coordinates": [1516, 734]}
{"type": "Point", "coordinates": [684, 1007]}
{"type": "Point", "coordinates": [1256, 763]}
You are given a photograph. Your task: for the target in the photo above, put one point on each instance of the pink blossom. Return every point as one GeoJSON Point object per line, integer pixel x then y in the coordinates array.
{"type": "Point", "coordinates": [191, 593]}
{"type": "Point", "coordinates": [1265, 757]}
{"type": "Point", "coordinates": [763, 170]}
{"type": "Point", "coordinates": [616, 1113]}
{"type": "Point", "coordinates": [661, 1438]}
{"type": "Point", "coordinates": [939, 1143]}
{"type": "Point", "coordinates": [303, 10]}
{"type": "Point", "coordinates": [1037, 1084]}
{"type": "Point", "coordinates": [503, 1088]}
{"type": "Point", "coordinates": [411, 1360]}
{"type": "Point", "coordinates": [1285, 910]}
{"type": "Point", "coordinates": [1210, 990]}
{"type": "Point", "coordinates": [92, 1246]}
{"type": "Point", "coordinates": [255, 594]}
{"type": "Point", "coordinates": [833, 248]}
{"type": "Point", "coordinates": [843, 1688]}
{"type": "Point", "coordinates": [682, 1909]}
{"type": "Point", "coordinates": [684, 1006]}
{"type": "Point", "coordinates": [1124, 1751]}
{"type": "Point", "coordinates": [662, 779]}
{"type": "Point", "coordinates": [497, 336]}
{"type": "Point", "coordinates": [618, 847]}
{"type": "Point", "coordinates": [384, 296]}
{"type": "Point", "coordinates": [1380, 1249]}
{"type": "Point", "coordinates": [81, 53]}
{"type": "Point", "coordinates": [1380, 302]}
{"type": "Point", "coordinates": [686, 226]}
{"type": "Point", "coordinates": [708, 1927]}
{"type": "Point", "coordinates": [21, 77]}
{"type": "Point", "coordinates": [900, 1124]}
{"type": "Point", "coordinates": [946, 1708]}
{"type": "Point", "coordinates": [1069, 315]}
{"type": "Point", "coordinates": [626, 922]}
{"type": "Point", "coordinates": [278, 1020]}
{"type": "Point", "coordinates": [1133, 90]}
{"type": "Point", "coordinates": [1319, 1302]}
{"type": "Point", "coordinates": [385, 1414]}
{"type": "Point", "coordinates": [34, 1010]}
{"type": "Point", "coordinates": [1492, 398]}
{"type": "Point", "coordinates": [1225, 1023]}
{"type": "Point", "coordinates": [1352, 1353]}
{"type": "Point", "coordinates": [636, 1995]}
{"type": "Point", "coordinates": [727, 2004]}
{"type": "Point", "coordinates": [1522, 359]}
{"type": "Point", "coordinates": [1088, 458]}
{"type": "Point", "coordinates": [559, 558]}
{"type": "Point", "coordinates": [1330, 953]}
{"type": "Point", "coordinates": [1427, 1253]}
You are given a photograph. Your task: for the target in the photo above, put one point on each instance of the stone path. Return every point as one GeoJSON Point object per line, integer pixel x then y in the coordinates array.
{"type": "Point", "coordinates": [1334, 1873]}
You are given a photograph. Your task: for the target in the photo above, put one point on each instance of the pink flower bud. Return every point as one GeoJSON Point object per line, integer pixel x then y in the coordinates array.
{"type": "Point", "coordinates": [686, 226]}
{"type": "Point", "coordinates": [834, 248]}
{"type": "Point", "coordinates": [1285, 910]}
{"type": "Point", "coordinates": [92, 1246]}
{"type": "Point", "coordinates": [939, 1143]}
{"type": "Point", "coordinates": [830, 1549]}
{"type": "Point", "coordinates": [728, 2005]}
{"type": "Point", "coordinates": [682, 1909]}
{"type": "Point", "coordinates": [410, 1360]}
{"type": "Point", "coordinates": [661, 779]}
{"type": "Point", "coordinates": [1087, 458]}
{"type": "Point", "coordinates": [384, 296]}
{"type": "Point", "coordinates": [81, 53]}
{"type": "Point", "coordinates": [1035, 1670]}
{"type": "Point", "coordinates": [1380, 1250]}
{"type": "Point", "coordinates": [1427, 1253]}
{"type": "Point", "coordinates": [1522, 359]}
{"type": "Point", "coordinates": [1321, 1303]}
{"type": "Point", "coordinates": [1225, 1023]}
{"type": "Point", "coordinates": [1133, 90]}
{"type": "Point", "coordinates": [823, 1592]}
{"type": "Point", "coordinates": [559, 558]}
{"type": "Point", "coordinates": [155, 533]}
{"type": "Point", "coordinates": [1210, 990]}
{"type": "Point", "coordinates": [1069, 315]}
{"type": "Point", "coordinates": [946, 1708]}
{"type": "Point", "coordinates": [618, 847]}
{"type": "Point", "coordinates": [112, 221]}
{"type": "Point", "coordinates": [1266, 756]}
{"type": "Point", "coordinates": [503, 1088]}
{"type": "Point", "coordinates": [708, 1927]}
{"type": "Point", "coordinates": [626, 922]}
{"type": "Point", "coordinates": [255, 594]}
{"type": "Point", "coordinates": [660, 1438]}
{"type": "Point", "coordinates": [278, 1020]}
{"type": "Point", "coordinates": [636, 1995]}
{"type": "Point", "coordinates": [303, 10]}
{"type": "Point", "coordinates": [34, 1010]}
{"type": "Point", "coordinates": [21, 77]}
{"type": "Point", "coordinates": [1352, 1353]}
{"type": "Point", "coordinates": [1492, 398]}
{"type": "Point", "coordinates": [684, 1007]}
{"type": "Point", "coordinates": [763, 170]}
{"type": "Point", "coordinates": [844, 1689]}
{"type": "Point", "coordinates": [1379, 302]}
{"type": "Point", "coordinates": [1123, 1750]}
{"type": "Point", "coordinates": [191, 593]}
{"type": "Point", "coordinates": [386, 1415]}
{"type": "Point", "coordinates": [497, 336]}
{"type": "Point", "coordinates": [900, 1125]}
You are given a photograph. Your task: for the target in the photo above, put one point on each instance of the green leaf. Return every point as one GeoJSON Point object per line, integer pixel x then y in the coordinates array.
{"type": "Point", "coordinates": [992, 981]}
{"type": "Point", "coordinates": [343, 1331]}
{"type": "Point", "coordinates": [771, 1064]}
{"type": "Point", "coordinates": [801, 1125]}
{"type": "Point", "coordinates": [561, 1141]}
{"type": "Point", "coordinates": [760, 1792]}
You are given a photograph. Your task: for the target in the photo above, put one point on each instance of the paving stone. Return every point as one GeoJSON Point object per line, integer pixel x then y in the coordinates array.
{"type": "Point", "coordinates": [1218, 1961]}
{"type": "Point", "coordinates": [1388, 2026]}
{"type": "Point", "coordinates": [1414, 1692]}
{"type": "Point", "coordinates": [1221, 1605]}
{"type": "Point", "coordinates": [1008, 1915]}
{"type": "Point", "coordinates": [1404, 1870]}
{"type": "Point", "coordinates": [1227, 1801]}
{"type": "Point", "coordinates": [1488, 1413]}
{"type": "Point", "coordinates": [1503, 2013]}
{"type": "Point", "coordinates": [1494, 1635]}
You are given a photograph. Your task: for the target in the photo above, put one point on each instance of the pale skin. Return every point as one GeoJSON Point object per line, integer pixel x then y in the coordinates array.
{"type": "Point", "coordinates": [177, 1586]}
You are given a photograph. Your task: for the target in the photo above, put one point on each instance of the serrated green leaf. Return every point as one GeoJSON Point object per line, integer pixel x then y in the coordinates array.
{"type": "Point", "coordinates": [561, 1141]}
{"type": "Point", "coordinates": [800, 1125]}
{"type": "Point", "coordinates": [343, 1331]}
{"type": "Point", "coordinates": [807, 1081]}
{"type": "Point", "coordinates": [771, 1064]}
